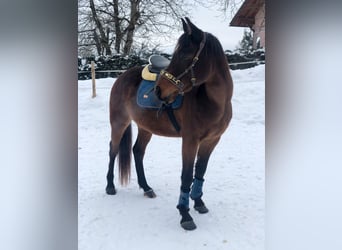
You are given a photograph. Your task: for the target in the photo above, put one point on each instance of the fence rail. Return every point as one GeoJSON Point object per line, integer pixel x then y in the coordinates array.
{"type": "Point", "coordinates": [104, 71]}
{"type": "Point", "coordinates": [93, 72]}
{"type": "Point", "coordinates": [232, 64]}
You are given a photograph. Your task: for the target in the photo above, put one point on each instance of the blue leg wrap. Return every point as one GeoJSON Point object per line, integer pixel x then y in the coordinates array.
{"type": "Point", "coordinates": [183, 200]}
{"type": "Point", "coordinates": [196, 190]}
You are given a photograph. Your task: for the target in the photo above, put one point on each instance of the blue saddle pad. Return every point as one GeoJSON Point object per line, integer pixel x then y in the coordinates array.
{"type": "Point", "coordinates": [146, 98]}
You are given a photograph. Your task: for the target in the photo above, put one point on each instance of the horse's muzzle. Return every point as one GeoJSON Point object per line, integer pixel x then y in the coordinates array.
{"type": "Point", "coordinates": [166, 100]}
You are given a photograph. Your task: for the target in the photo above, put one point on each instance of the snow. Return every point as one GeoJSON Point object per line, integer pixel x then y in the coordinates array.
{"type": "Point", "coordinates": [233, 189]}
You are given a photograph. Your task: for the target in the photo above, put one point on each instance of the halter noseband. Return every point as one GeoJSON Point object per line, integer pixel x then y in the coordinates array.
{"type": "Point", "coordinates": [176, 80]}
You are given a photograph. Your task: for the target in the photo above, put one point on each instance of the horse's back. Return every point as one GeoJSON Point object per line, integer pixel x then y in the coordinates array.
{"type": "Point", "coordinates": [126, 80]}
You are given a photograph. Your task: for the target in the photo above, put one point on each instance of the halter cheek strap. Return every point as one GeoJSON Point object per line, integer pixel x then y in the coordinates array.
{"type": "Point", "coordinates": [176, 80]}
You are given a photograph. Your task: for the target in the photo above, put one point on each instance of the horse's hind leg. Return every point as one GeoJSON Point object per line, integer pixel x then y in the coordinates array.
{"type": "Point", "coordinates": [110, 188]}
{"type": "Point", "coordinates": [117, 133]}
{"type": "Point", "coordinates": [204, 152]}
{"type": "Point", "coordinates": [139, 151]}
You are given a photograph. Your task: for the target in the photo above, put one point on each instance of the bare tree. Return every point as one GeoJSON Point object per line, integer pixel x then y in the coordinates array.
{"type": "Point", "coordinates": [228, 8]}
{"type": "Point", "coordinates": [117, 24]}
{"type": "Point", "coordinates": [88, 38]}
{"type": "Point", "coordinates": [127, 22]}
{"type": "Point", "coordinates": [106, 26]}
{"type": "Point", "coordinates": [103, 32]}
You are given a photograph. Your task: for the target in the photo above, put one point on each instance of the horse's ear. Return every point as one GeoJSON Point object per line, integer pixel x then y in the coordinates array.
{"type": "Point", "coordinates": [196, 33]}
{"type": "Point", "coordinates": [186, 27]}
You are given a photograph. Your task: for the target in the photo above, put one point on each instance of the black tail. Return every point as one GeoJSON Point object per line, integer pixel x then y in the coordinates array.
{"type": "Point", "coordinates": [125, 152]}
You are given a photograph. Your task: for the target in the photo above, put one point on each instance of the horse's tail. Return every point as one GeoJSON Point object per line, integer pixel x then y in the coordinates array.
{"type": "Point", "coordinates": [125, 152]}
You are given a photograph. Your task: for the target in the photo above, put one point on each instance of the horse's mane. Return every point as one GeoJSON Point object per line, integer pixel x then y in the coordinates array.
{"type": "Point", "coordinates": [212, 51]}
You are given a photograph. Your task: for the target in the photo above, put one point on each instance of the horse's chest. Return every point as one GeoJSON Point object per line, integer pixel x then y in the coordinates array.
{"type": "Point", "coordinates": [215, 123]}
{"type": "Point", "coordinates": [215, 130]}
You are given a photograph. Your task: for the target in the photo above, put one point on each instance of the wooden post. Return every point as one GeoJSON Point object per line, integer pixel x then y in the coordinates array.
{"type": "Point", "coordinates": [93, 78]}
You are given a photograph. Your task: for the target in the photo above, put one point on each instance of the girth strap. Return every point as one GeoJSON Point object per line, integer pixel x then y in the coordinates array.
{"type": "Point", "coordinates": [172, 117]}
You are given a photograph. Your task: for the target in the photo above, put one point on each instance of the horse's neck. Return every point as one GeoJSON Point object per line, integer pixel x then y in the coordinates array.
{"type": "Point", "coordinates": [218, 90]}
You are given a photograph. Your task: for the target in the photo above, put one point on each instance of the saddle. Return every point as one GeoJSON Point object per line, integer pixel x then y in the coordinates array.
{"type": "Point", "coordinates": [156, 64]}
{"type": "Point", "coordinates": [146, 98]}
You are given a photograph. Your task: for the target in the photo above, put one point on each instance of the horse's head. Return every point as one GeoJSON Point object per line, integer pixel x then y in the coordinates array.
{"type": "Point", "coordinates": [184, 72]}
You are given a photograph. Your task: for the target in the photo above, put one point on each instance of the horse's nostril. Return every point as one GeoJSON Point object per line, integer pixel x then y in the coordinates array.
{"type": "Point", "coordinates": [157, 91]}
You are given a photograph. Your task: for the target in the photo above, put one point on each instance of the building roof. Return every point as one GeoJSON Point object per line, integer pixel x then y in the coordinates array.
{"type": "Point", "coordinates": [244, 17]}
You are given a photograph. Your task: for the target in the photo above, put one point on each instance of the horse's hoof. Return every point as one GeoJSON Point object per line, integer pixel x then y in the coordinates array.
{"type": "Point", "coordinates": [188, 225]}
{"type": "Point", "coordinates": [150, 194]}
{"type": "Point", "coordinates": [202, 209]}
{"type": "Point", "coordinates": [110, 190]}
{"type": "Point", "coordinates": [186, 222]}
{"type": "Point", "coordinates": [200, 206]}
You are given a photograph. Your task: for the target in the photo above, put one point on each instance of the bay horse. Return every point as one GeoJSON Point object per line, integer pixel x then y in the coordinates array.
{"type": "Point", "coordinates": [199, 71]}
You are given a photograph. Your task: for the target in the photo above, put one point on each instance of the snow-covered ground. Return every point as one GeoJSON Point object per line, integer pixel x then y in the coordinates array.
{"type": "Point", "coordinates": [233, 190]}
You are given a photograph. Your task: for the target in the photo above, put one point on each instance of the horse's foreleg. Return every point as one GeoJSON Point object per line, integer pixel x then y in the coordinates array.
{"type": "Point", "coordinates": [189, 150]}
{"type": "Point", "coordinates": [205, 149]}
{"type": "Point", "coordinates": [139, 151]}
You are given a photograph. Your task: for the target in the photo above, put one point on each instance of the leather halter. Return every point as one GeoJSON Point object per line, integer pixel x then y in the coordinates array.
{"type": "Point", "coordinates": [176, 81]}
